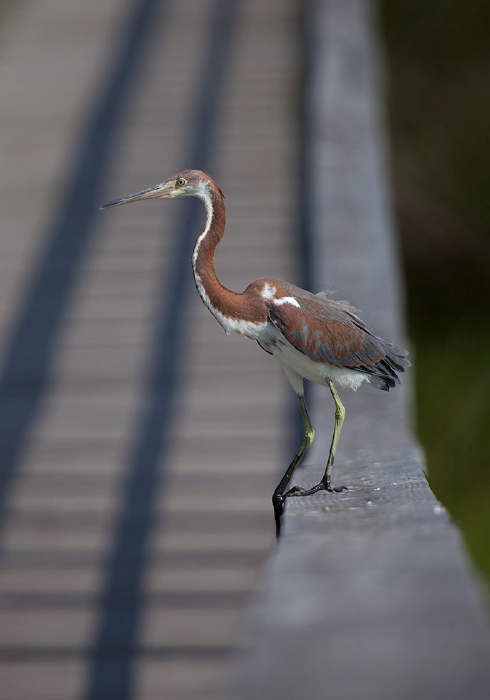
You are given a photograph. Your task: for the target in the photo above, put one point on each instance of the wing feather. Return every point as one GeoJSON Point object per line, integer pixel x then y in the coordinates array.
{"type": "Point", "coordinates": [326, 330]}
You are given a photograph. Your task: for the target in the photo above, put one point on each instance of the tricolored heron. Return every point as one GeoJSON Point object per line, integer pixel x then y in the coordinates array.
{"type": "Point", "coordinates": [313, 336]}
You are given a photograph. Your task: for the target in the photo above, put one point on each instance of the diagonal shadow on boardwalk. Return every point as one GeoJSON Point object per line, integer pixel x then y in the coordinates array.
{"type": "Point", "coordinates": [31, 349]}
{"type": "Point", "coordinates": [115, 646]}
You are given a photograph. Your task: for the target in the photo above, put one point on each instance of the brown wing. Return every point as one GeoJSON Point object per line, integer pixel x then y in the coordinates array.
{"type": "Point", "coordinates": [326, 330]}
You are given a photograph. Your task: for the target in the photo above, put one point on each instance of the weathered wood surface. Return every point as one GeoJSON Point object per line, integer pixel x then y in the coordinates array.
{"type": "Point", "coordinates": [369, 593]}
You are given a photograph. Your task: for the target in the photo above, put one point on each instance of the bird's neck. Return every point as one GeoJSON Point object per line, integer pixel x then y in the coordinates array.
{"type": "Point", "coordinates": [225, 305]}
{"type": "Point", "coordinates": [207, 282]}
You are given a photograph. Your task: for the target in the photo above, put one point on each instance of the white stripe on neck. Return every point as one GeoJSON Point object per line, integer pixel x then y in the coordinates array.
{"type": "Point", "coordinates": [205, 196]}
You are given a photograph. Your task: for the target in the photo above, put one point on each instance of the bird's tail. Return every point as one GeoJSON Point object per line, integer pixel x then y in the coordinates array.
{"type": "Point", "coordinates": [385, 375]}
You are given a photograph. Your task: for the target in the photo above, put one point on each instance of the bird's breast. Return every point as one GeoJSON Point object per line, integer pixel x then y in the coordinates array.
{"type": "Point", "coordinates": [256, 330]}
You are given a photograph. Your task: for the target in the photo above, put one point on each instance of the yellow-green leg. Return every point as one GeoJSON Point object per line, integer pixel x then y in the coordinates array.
{"type": "Point", "coordinates": [324, 484]}
{"type": "Point", "coordinates": [339, 421]}
{"type": "Point", "coordinates": [309, 434]}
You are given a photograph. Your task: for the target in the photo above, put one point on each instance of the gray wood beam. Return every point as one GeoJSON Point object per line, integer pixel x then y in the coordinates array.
{"type": "Point", "coordinates": [369, 593]}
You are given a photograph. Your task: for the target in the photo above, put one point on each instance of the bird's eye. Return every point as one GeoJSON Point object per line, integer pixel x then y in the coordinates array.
{"type": "Point", "coordinates": [181, 182]}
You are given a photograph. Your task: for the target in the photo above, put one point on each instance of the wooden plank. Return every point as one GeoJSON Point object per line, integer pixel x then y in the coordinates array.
{"type": "Point", "coordinates": [369, 593]}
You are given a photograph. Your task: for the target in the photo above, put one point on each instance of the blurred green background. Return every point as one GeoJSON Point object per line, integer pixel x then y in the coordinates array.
{"type": "Point", "coordinates": [438, 71]}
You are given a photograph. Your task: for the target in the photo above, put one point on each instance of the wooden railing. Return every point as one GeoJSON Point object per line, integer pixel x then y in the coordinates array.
{"type": "Point", "coordinates": [369, 593]}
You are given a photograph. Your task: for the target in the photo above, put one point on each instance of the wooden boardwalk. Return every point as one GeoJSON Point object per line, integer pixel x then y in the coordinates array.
{"type": "Point", "coordinates": [139, 445]}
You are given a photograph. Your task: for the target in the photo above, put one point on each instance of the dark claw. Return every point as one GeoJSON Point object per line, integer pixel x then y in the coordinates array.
{"type": "Point", "coordinates": [278, 499]}
{"type": "Point", "coordinates": [299, 491]}
{"type": "Point", "coordinates": [295, 491]}
{"type": "Point", "coordinates": [278, 505]}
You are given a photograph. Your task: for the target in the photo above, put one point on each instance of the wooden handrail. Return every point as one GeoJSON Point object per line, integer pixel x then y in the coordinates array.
{"type": "Point", "coordinates": [369, 593]}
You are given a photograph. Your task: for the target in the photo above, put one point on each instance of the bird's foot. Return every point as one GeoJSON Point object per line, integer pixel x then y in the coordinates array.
{"type": "Point", "coordinates": [322, 486]}
{"type": "Point", "coordinates": [279, 498]}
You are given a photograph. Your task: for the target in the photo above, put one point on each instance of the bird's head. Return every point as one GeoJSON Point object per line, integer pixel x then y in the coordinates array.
{"type": "Point", "coordinates": [188, 183]}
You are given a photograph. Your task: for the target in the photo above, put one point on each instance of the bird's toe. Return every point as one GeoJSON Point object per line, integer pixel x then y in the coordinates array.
{"type": "Point", "coordinates": [295, 491]}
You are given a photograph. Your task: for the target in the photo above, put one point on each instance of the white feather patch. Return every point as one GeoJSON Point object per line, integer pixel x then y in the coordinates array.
{"type": "Point", "coordinates": [268, 291]}
{"type": "Point", "coordinates": [287, 300]}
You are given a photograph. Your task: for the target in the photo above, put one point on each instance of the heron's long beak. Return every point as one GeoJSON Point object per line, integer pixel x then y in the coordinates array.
{"type": "Point", "coordinates": [164, 189]}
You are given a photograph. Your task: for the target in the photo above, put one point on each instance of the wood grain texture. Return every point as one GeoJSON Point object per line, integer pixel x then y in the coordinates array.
{"type": "Point", "coordinates": [369, 593]}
